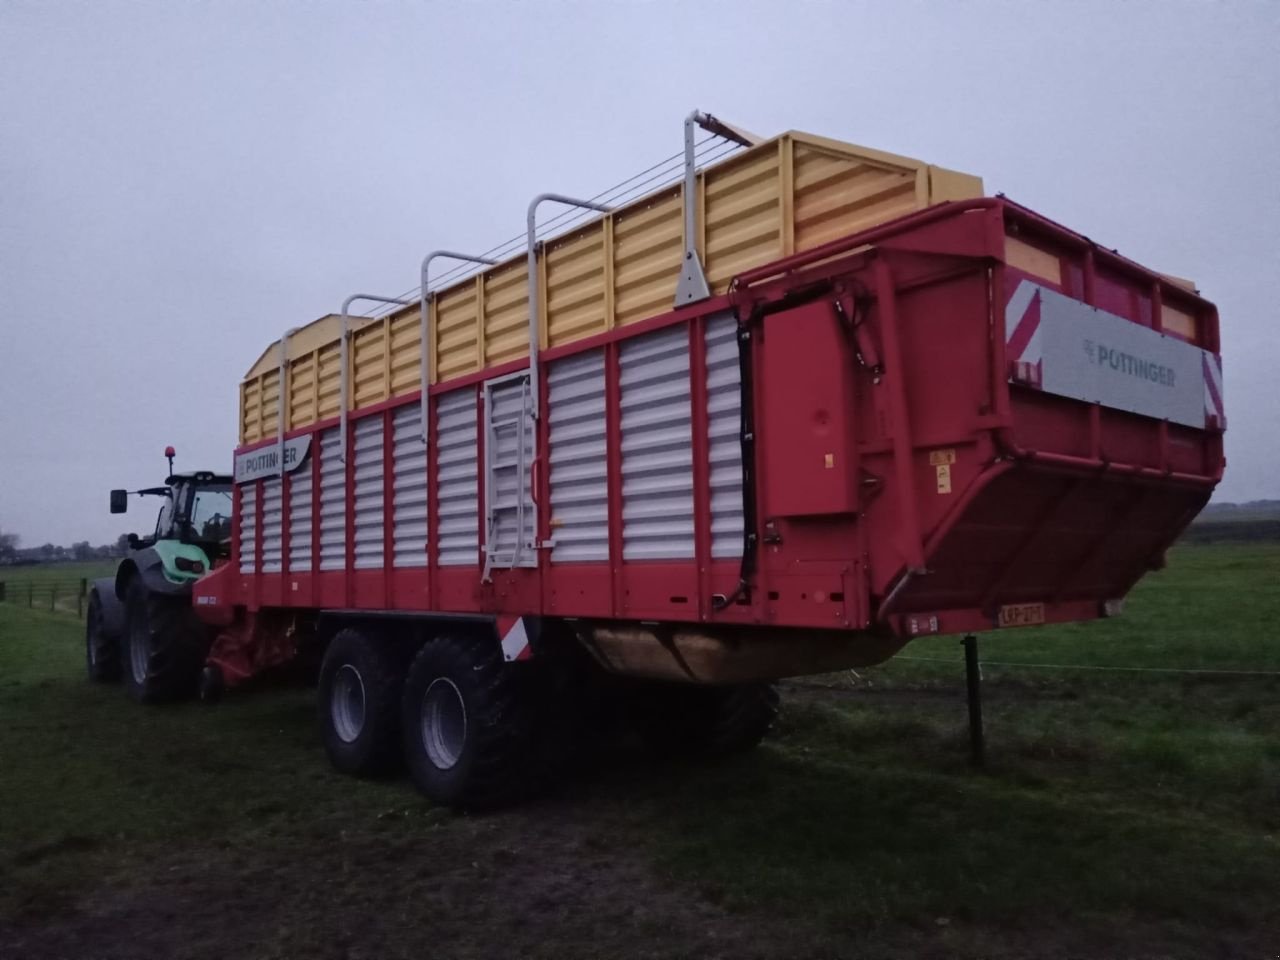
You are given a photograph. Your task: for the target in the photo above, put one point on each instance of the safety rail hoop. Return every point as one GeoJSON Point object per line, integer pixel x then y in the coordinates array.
{"type": "Point", "coordinates": [424, 304]}
{"type": "Point", "coordinates": [532, 236]}
{"type": "Point", "coordinates": [692, 285]}
{"type": "Point", "coordinates": [345, 386]}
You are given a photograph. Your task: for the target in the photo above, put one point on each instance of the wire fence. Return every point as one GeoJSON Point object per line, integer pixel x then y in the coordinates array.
{"type": "Point", "coordinates": [67, 595]}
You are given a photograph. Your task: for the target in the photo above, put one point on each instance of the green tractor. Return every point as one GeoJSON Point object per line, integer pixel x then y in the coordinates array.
{"type": "Point", "coordinates": [140, 627]}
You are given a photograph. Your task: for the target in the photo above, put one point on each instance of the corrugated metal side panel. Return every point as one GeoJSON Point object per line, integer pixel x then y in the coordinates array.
{"type": "Point", "coordinates": [408, 488]}
{"type": "Point", "coordinates": [576, 275]}
{"type": "Point", "coordinates": [457, 478]}
{"type": "Point", "coordinates": [333, 513]}
{"type": "Point", "coordinates": [507, 487]}
{"type": "Point", "coordinates": [272, 525]}
{"type": "Point", "coordinates": [369, 364]}
{"type": "Point", "coordinates": [300, 501]}
{"type": "Point", "coordinates": [367, 462]}
{"type": "Point", "coordinates": [724, 435]}
{"type": "Point", "coordinates": [406, 356]}
{"type": "Point", "coordinates": [248, 527]}
{"type": "Point", "coordinates": [657, 459]}
{"type": "Point", "coordinates": [742, 225]}
{"type": "Point", "coordinates": [506, 313]}
{"type": "Point", "coordinates": [455, 330]}
{"type": "Point", "coordinates": [329, 383]}
{"type": "Point", "coordinates": [576, 458]}
{"type": "Point", "coordinates": [837, 194]}
{"type": "Point", "coordinates": [647, 248]}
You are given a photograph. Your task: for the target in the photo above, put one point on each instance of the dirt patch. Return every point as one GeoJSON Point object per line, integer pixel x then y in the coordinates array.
{"type": "Point", "coordinates": [551, 881]}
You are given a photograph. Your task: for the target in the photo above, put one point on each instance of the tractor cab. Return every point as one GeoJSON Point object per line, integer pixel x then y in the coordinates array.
{"type": "Point", "coordinates": [195, 509]}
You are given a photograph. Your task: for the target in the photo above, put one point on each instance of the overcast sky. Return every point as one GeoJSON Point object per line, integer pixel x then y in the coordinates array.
{"type": "Point", "coordinates": [181, 181]}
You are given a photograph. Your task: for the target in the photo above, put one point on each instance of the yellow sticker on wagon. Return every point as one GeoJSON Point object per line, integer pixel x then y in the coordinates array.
{"type": "Point", "coordinates": [1020, 615]}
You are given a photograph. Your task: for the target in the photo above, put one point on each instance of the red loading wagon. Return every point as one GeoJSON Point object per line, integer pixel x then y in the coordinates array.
{"type": "Point", "coordinates": [966, 418]}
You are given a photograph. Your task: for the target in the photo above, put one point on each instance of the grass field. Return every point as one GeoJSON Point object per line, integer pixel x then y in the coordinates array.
{"type": "Point", "coordinates": [1122, 814]}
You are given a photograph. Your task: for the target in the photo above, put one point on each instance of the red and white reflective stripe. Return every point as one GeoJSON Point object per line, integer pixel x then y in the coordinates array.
{"type": "Point", "coordinates": [1024, 348]}
{"type": "Point", "coordinates": [1215, 415]}
{"type": "Point", "coordinates": [515, 639]}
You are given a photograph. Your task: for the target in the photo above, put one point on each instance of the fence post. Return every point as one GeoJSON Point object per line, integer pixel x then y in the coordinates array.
{"type": "Point", "coordinates": [84, 589]}
{"type": "Point", "coordinates": [31, 594]}
{"type": "Point", "coordinates": [2, 596]}
{"type": "Point", "coordinates": [53, 596]}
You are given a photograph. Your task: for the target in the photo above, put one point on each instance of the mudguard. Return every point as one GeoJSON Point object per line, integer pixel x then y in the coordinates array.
{"type": "Point", "coordinates": [155, 566]}
{"type": "Point", "coordinates": [112, 606]}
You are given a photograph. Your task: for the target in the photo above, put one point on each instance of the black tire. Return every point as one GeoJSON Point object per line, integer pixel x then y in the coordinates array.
{"type": "Point", "coordinates": [101, 649]}
{"type": "Point", "coordinates": [163, 646]}
{"type": "Point", "coordinates": [359, 705]}
{"type": "Point", "coordinates": [707, 722]}
{"type": "Point", "coordinates": [489, 758]}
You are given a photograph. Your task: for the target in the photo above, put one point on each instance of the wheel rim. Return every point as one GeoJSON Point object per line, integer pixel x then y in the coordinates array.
{"type": "Point", "coordinates": [444, 723]}
{"type": "Point", "coordinates": [347, 703]}
{"type": "Point", "coordinates": [139, 652]}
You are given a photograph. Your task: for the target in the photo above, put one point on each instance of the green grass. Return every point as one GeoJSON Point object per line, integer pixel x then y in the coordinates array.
{"type": "Point", "coordinates": [1120, 813]}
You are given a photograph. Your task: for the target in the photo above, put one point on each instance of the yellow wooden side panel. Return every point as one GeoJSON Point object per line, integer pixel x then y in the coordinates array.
{"type": "Point", "coordinates": [302, 391]}
{"type": "Point", "coordinates": [837, 194]}
{"type": "Point", "coordinates": [329, 386]}
{"type": "Point", "coordinates": [406, 353]}
{"type": "Point", "coordinates": [368, 364]}
{"type": "Point", "coordinates": [742, 221]}
{"type": "Point", "coordinates": [783, 196]}
{"type": "Point", "coordinates": [250, 401]}
{"type": "Point", "coordinates": [947, 184]}
{"type": "Point", "coordinates": [456, 332]}
{"type": "Point", "coordinates": [647, 245]}
{"type": "Point", "coordinates": [576, 277]}
{"type": "Point", "coordinates": [269, 408]}
{"type": "Point", "coordinates": [1179, 322]}
{"type": "Point", "coordinates": [1031, 259]}
{"type": "Point", "coordinates": [506, 314]}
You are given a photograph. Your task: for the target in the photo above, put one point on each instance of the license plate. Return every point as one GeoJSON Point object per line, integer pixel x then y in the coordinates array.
{"type": "Point", "coordinates": [1020, 615]}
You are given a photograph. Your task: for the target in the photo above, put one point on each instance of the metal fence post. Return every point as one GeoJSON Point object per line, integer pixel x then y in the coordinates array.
{"type": "Point", "coordinates": [31, 594]}
{"type": "Point", "coordinates": [84, 589]}
{"type": "Point", "coordinates": [53, 596]}
{"type": "Point", "coordinates": [2, 591]}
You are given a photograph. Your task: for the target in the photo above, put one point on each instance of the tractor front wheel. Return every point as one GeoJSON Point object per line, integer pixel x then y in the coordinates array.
{"type": "Point", "coordinates": [101, 650]}
{"type": "Point", "coordinates": [163, 646]}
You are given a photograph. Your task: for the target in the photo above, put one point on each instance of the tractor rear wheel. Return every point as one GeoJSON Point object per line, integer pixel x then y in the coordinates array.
{"type": "Point", "coordinates": [359, 692]}
{"type": "Point", "coordinates": [163, 646]}
{"type": "Point", "coordinates": [468, 724]}
{"type": "Point", "coordinates": [101, 650]}
{"type": "Point", "coordinates": [707, 722]}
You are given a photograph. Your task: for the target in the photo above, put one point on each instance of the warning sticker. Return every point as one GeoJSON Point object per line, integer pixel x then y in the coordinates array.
{"type": "Point", "coordinates": [938, 458]}
{"type": "Point", "coordinates": [944, 477]}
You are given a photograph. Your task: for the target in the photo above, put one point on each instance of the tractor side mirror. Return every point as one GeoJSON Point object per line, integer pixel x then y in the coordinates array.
{"type": "Point", "coordinates": [133, 541]}
{"type": "Point", "coordinates": [119, 501]}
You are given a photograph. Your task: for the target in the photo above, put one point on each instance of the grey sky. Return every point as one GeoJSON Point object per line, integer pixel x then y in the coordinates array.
{"type": "Point", "coordinates": [181, 181]}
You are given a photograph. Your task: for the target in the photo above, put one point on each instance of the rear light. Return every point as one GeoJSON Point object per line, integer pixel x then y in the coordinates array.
{"type": "Point", "coordinates": [188, 566]}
